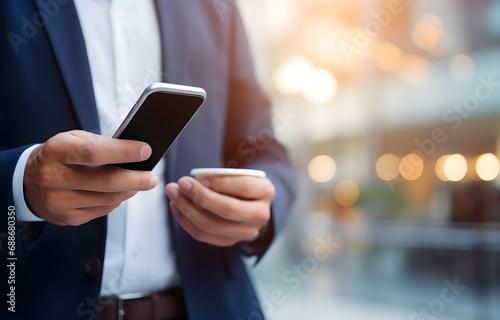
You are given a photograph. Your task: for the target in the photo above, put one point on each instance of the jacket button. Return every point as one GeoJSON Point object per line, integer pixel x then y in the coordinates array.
{"type": "Point", "coordinates": [93, 268]}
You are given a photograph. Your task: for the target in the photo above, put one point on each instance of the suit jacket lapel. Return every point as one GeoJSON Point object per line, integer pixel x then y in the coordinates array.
{"type": "Point", "coordinates": [170, 61]}
{"type": "Point", "coordinates": [65, 34]}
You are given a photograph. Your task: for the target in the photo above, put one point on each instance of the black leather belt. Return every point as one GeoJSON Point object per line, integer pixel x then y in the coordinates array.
{"type": "Point", "coordinates": [166, 305]}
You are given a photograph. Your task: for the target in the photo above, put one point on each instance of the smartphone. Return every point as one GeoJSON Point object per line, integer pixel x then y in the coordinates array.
{"type": "Point", "coordinates": [161, 113]}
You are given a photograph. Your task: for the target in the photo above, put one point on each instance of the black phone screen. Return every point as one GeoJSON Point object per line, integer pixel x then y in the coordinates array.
{"type": "Point", "coordinates": [159, 121]}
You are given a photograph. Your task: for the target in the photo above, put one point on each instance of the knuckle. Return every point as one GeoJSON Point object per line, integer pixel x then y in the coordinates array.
{"type": "Point", "coordinates": [114, 199]}
{"type": "Point", "coordinates": [51, 175]}
{"type": "Point", "coordinates": [263, 215]}
{"type": "Point", "coordinates": [53, 144]}
{"type": "Point", "coordinates": [144, 182]}
{"type": "Point", "coordinates": [230, 211]}
{"type": "Point", "coordinates": [110, 181]}
{"type": "Point", "coordinates": [45, 176]}
{"type": "Point", "coordinates": [218, 184]}
{"type": "Point", "coordinates": [247, 187]}
{"type": "Point", "coordinates": [49, 147]}
{"type": "Point", "coordinates": [197, 234]}
{"type": "Point", "coordinates": [87, 151]}
{"type": "Point", "coordinates": [262, 219]}
{"type": "Point", "coordinates": [269, 189]}
{"type": "Point", "coordinates": [200, 199]}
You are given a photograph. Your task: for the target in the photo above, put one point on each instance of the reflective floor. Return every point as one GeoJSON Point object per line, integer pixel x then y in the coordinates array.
{"type": "Point", "coordinates": [317, 270]}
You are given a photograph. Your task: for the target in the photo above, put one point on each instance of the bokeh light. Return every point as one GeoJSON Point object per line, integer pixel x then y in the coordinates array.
{"type": "Point", "coordinates": [347, 192]}
{"type": "Point", "coordinates": [440, 168]}
{"type": "Point", "coordinates": [289, 77]}
{"type": "Point", "coordinates": [298, 76]}
{"type": "Point", "coordinates": [387, 57]}
{"type": "Point", "coordinates": [387, 167]}
{"type": "Point", "coordinates": [455, 167]}
{"type": "Point", "coordinates": [411, 167]}
{"type": "Point", "coordinates": [427, 32]}
{"type": "Point", "coordinates": [322, 168]}
{"type": "Point", "coordinates": [319, 86]}
{"type": "Point", "coordinates": [487, 167]}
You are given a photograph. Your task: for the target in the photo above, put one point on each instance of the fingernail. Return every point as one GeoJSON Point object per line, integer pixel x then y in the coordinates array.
{"type": "Point", "coordinates": [173, 193]}
{"type": "Point", "coordinates": [185, 184]}
{"type": "Point", "coordinates": [206, 183]}
{"type": "Point", "coordinates": [145, 152]}
{"type": "Point", "coordinates": [153, 182]}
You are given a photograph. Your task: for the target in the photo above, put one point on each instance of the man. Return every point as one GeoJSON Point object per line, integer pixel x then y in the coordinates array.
{"type": "Point", "coordinates": [89, 239]}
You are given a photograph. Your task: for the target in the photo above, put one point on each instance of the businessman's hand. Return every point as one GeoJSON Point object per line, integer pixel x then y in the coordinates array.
{"type": "Point", "coordinates": [222, 210]}
{"type": "Point", "coordinates": [67, 181]}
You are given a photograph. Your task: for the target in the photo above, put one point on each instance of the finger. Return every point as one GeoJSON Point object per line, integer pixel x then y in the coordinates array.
{"type": "Point", "coordinates": [212, 223]}
{"type": "Point", "coordinates": [243, 187]}
{"type": "Point", "coordinates": [106, 179]}
{"type": "Point", "coordinates": [207, 199]}
{"type": "Point", "coordinates": [59, 202]}
{"type": "Point", "coordinates": [250, 211]}
{"type": "Point", "coordinates": [84, 148]}
{"type": "Point", "coordinates": [199, 234]}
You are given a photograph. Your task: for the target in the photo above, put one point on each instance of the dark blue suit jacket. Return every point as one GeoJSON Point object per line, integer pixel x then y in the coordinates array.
{"type": "Point", "coordinates": [46, 88]}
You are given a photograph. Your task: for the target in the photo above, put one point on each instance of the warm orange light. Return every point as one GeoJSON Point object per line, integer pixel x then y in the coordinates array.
{"type": "Point", "coordinates": [319, 86]}
{"type": "Point", "coordinates": [322, 169]}
{"type": "Point", "coordinates": [455, 167]}
{"type": "Point", "coordinates": [427, 32]}
{"type": "Point", "coordinates": [347, 193]}
{"type": "Point", "coordinates": [290, 77]}
{"type": "Point", "coordinates": [411, 167]}
{"type": "Point", "coordinates": [387, 167]}
{"type": "Point", "coordinates": [298, 76]}
{"type": "Point", "coordinates": [487, 167]}
{"type": "Point", "coordinates": [440, 168]}
{"type": "Point", "coordinates": [388, 57]}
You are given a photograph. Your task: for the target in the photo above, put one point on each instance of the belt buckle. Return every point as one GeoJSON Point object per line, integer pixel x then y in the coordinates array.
{"type": "Point", "coordinates": [119, 302]}
{"type": "Point", "coordinates": [119, 308]}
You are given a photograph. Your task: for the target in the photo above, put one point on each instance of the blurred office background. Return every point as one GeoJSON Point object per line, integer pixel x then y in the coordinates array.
{"type": "Point", "coordinates": [391, 112]}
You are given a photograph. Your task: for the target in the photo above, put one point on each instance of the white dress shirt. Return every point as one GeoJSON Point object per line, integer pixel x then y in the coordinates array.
{"type": "Point", "coordinates": [124, 51]}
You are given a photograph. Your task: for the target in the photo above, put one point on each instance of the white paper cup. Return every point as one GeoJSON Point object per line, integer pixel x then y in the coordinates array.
{"type": "Point", "coordinates": [203, 173]}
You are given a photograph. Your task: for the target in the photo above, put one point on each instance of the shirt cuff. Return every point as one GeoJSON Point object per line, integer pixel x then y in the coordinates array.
{"type": "Point", "coordinates": [23, 213]}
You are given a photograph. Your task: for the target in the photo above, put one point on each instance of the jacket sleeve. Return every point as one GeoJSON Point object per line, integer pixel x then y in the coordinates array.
{"type": "Point", "coordinates": [249, 137]}
{"type": "Point", "coordinates": [12, 231]}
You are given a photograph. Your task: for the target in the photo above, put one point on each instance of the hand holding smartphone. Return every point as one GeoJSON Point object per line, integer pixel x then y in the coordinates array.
{"type": "Point", "coordinates": [161, 113]}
